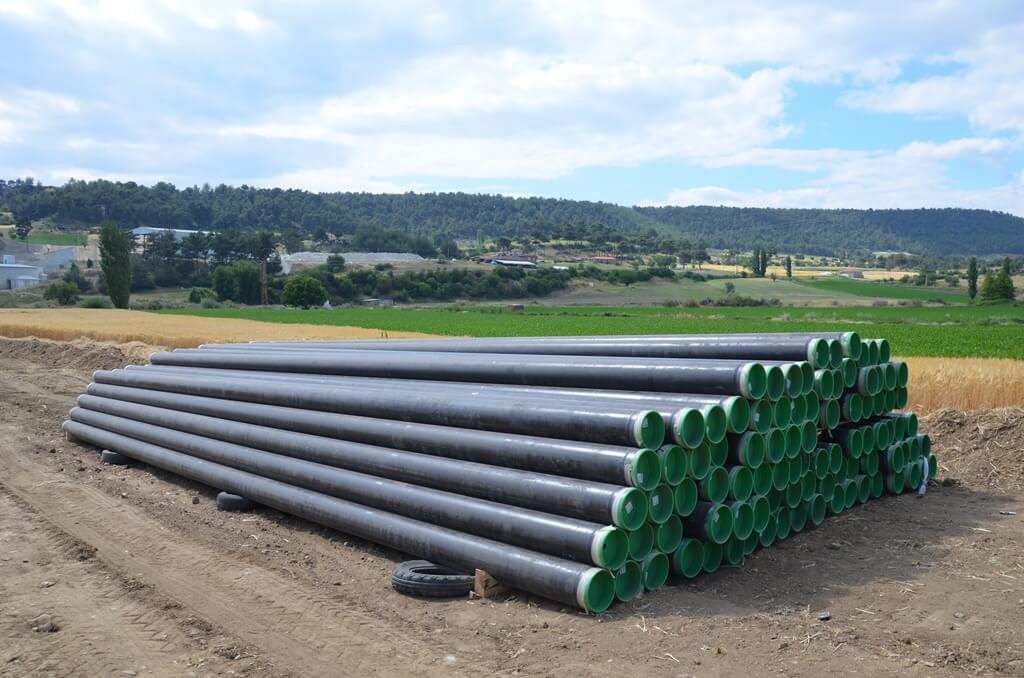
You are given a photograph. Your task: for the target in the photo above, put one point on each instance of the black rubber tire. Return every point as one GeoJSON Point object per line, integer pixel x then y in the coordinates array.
{"type": "Point", "coordinates": [232, 502]}
{"type": "Point", "coordinates": [426, 580]}
{"type": "Point", "coordinates": [113, 458]}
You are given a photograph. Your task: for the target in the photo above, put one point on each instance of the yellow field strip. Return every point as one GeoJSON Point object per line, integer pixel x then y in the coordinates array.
{"type": "Point", "coordinates": [965, 383]}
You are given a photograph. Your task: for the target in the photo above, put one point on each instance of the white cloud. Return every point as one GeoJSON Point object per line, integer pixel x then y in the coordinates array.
{"type": "Point", "coordinates": [27, 110]}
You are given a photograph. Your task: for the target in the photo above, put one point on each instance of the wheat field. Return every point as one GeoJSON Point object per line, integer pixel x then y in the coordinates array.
{"type": "Point", "coordinates": [965, 383]}
{"type": "Point", "coordinates": [172, 331]}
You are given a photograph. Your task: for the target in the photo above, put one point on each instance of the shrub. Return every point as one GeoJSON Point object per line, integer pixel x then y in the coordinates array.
{"type": "Point", "coordinates": [95, 302]}
{"type": "Point", "coordinates": [209, 302]}
{"type": "Point", "coordinates": [198, 294]}
{"type": "Point", "coordinates": [63, 293]}
{"type": "Point", "coordinates": [304, 291]}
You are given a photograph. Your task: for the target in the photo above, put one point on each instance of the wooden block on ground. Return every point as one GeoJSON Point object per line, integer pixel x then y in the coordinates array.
{"type": "Point", "coordinates": [486, 586]}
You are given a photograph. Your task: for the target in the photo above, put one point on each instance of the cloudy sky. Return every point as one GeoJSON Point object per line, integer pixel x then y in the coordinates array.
{"type": "Point", "coordinates": [785, 103]}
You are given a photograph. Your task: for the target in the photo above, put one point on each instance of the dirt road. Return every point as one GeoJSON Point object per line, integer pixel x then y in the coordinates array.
{"type": "Point", "coordinates": [141, 576]}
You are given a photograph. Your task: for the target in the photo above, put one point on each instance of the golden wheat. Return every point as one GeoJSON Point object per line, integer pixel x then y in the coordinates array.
{"type": "Point", "coordinates": [164, 330]}
{"type": "Point", "coordinates": [965, 383]}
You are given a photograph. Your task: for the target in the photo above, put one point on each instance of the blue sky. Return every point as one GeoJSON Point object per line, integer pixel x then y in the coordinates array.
{"type": "Point", "coordinates": [788, 103]}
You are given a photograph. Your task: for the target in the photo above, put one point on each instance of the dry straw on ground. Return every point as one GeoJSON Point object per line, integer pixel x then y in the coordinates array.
{"type": "Point", "coordinates": [174, 331]}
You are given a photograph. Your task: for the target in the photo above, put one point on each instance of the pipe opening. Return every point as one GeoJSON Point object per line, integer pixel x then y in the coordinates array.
{"type": "Point", "coordinates": [700, 461]}
{"type": "Point", "coordinates": [688, 560]}
{"type": "Point", "coordinates": [741, 483]}
{"type": "Point", "coordinates": [776, 382]}
{"type": "Point", "coordinates": [645, 470]}
{"type": "Point", "coordinates": [673, 464]}
{"type": "Point", "coordinates": [611, 548]}
{"type": "Point", "coordinates": [753, 381]}
{"type": "Point", "coordinates": [629, 508]}
{"type": "Point", "coordinates": [686, 497]}
{"type": "Point", "coordinates": [668, 535]}
{"type": "Point", "coordinates": [641, 541]}
{"type": "Point", "coordinates": [628, 582]}
{"type": "Point", "coordinates": [714, 421]}
{"type": "Point", "coordinates": [660, 503]}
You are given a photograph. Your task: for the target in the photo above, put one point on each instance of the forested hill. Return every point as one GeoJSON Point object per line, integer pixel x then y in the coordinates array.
{"type": "Point", "coordinates": [439, 216]}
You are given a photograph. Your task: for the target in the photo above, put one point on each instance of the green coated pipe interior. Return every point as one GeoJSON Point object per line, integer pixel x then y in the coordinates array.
{"type": "Point", "coordinates": [628, 581]}
{"type": "Point", "coordinates": [690, 425]}
{"type": "Point", "coordinates": [827, 487]}
{"type": "Point", "coordinates": [798, 409]}
{"type": "Point", "coordinates": [794, 380]}
{"type": "Point", "coordinates": [850, 493]}
{"type": "Point", "coordinates": [794, 441]}
{"type": "Point", "coordinates": [630, 509]}
{"type": "Point", "coordinates": [902, 397]}
{"type": "Point", "coordinates": [780, 475]}
{"type": "Point", "coordinates": [782, 412]}
{"type": "Point", "coordinates": [852, 409]}
{"type": "Point", "coordinates": [830, 414]}
{"type": "Point", "coordinates": [668, 535]}
{"type": "Point", "coordinates": [737, 412]}
{"type": "Point", "coordinates": [818, 353]}
{"type": "Point", "coordinates": [849, 371]}
{"type": "Point", "coordinates": [641, 541]}
{"type": "Point", "coordinates": [894, 482]}
{"type": "Point", "coordinates": [808, 486]}
{"type": "Point", "coordinates": [714, 488]}
{"type": "Point", "coordinates": [762, 509]}
{"type": "Point", "coordinates": [685, 497]}
{"type": "Point", "coordinates": [813, 407]}
{"type": "Point", "coordinates": [915, 474]}
{"type": "Point", "coordinates": [809, 436]}
{"type": "Point", "coordinates": [712, 557]}
{"type": "Point", "coordinates": [835, 461]}
{"type": "Point", "coordinates": [742, 519]}
{"type": "Point", "coordinates": [838, 502]}
{"type": "Point", "coordinates": [783, 523]}
{"type": "Point", "coordinates": [654, 570]}
{"type": "Point", "coordinates": [869, 462]}
{"type": "Point", "coordinates": [776, 382]}
{"type": "Point", "coordinates": [598, 590]}
{"type": "Point", "coordinates": [741, 483]}
{"type": "Point", "coordinates": [795, 469]}
{"type": "Point", "coordinates": [700, 461]}
{"type": "Point", "coordinates": [753, 381]}
{"type": "Point", "coordinates": [732, 551]}
{"type": "Point", "coordinates": [793, 494]}
{"type": "Point", "coordinates": [776, 445]}
{"type": "Point", "coordinates": [767, 535]}
{"type": "Point", "coordinates": [762, 479]}
{"type": "Point", "coordinates": [660, 503]}
{"type": "Point", "coordinates": [884, 350]}
{"type": "Point", "coordinates": [836, 353]}
{"type": "Point", "coordinates": [902, 373]}
{"type": "Point", "coordinates": [824, 383]}
{"type": "Point", "coordinates": [821, 463]}
{"type": "Point", "coordinates": [933, 467]}
{"type": "Point", "coordinates": [761, 413]}
{"type": "Point", "coordinates": [816, 511]}
{"type": "Point", "coordinates": [673, 464]}
{"type": "Point", "coordinates": [911, 423]}
{"type": "Point", "coordinates": [719, 452]}
{"type": "Point", "coordinates": [877, 485]}
{"type": "Point", "coordinates": [798, 517]}
{"type": "Point", "coordinates": [718, 523]}
{"type": "Point", "coordinates": [688, 560]}
{"type": "Point", "coordinates": [751, 543]}
{"type": "Point", "coordinates": [645, 470]}
{"type": "Point", "coordinates": [807, 377]}
{"type": "Point", "coordinates": [890, 375]}
{"type": "Point", "coordinates": [867, 434]}
{"type": "Point", "coordinates": [611, 548]}
{"type": "Point", "coordinates": [863, 488]}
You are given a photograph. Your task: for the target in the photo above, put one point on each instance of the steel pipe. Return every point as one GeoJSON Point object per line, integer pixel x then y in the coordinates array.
{"type": "Point", "coordinates": [590, 588]}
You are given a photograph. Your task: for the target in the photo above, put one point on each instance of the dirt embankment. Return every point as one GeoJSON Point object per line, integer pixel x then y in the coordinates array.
{"type": "Point", "coordinates": [141, 576]}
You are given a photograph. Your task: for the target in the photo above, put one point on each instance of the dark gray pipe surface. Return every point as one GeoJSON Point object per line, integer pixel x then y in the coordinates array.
{"type": "Point", "coordinates": [509, 415]}
{"type": "Point", "coordinates": [729, 346]}
{"type": "Point", "coordinates": [589, 461]}
{"type": "Point", "coordinates": [598, 502]}
{"type": "Point", "coordinates": [185, 433]}
{"type": "Point", "coordinates": [722, 377]}
{"type": "Point", "coordinates": [555, 578]}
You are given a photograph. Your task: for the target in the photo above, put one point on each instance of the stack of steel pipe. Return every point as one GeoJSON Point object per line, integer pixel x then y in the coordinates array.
{"type": "Point", "coordinates": [581, 469]}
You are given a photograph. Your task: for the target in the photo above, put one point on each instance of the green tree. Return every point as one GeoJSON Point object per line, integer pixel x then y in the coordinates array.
{"type": "Point", "coordinates": [335, 263]}
{"type": "Point", "coordinates": [1004, 289]}
{"type": "Point", "coordinates": [22, 227]}
{"type": "Point", "coordinates": [64, 293]}
{"type": "Point", "coordinates": [74, 276]}
{"type": "Point", "coordinates": [304, 291]}
{"type": "Point", "coordinates": [988, 288]}
{"type": "Point", "coordinates": [729, 288]}
{"type": "Point", "coordinates": [225, 284]}
{"type": "Point", "coordinates": [115, 261]}
{"type": "Point", "coordinates": [789, 266]}
{"type": "Point", "coordinates": [248, 281]}
{"type": "Point", "coordinates": [972, 278]}
{"type": "Point", "coordinates": [504, 244]}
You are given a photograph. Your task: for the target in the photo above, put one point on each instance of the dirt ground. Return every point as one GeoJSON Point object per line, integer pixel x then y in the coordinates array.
{"type": "Point", "coordinates": [143, 577]}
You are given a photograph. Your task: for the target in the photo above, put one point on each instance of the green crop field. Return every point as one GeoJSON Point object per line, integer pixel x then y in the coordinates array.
{"type": "Point", "coordinates": [881, 290]}
{"type": "Point", "coordinates": [960, 331]}
{"type": "Point", "coordinates": [62, 239]}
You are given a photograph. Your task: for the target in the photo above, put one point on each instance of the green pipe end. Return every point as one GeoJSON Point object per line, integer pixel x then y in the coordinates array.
{"type": "Point", "coordinates": [838, 502]}
{"type": "Point", "coordinates": [610, 547]}
{"type": "Point", "coordinates": [742, 519]}
{"type": "Point", "coordinates": [877, 485]}
{"type": "Point", "coordinates": [915, 474]}
{"type": "Point", "coordinates": [776, 445]}
{"type": "Point", "coordinates": [719, 452]}
{"type": "Point", "coordinates": [836, 353]}
{"type": "Point", "coordinates": [869, 462]}
{"type": "Point", "coordinates": [753, 381]}
{"type": "Point", "coordinates": [868, 434]}
{"type": "Point", "coordinates": [821, 463]}
{"type": "Point", "coordinates": [733, 551]}
{"type": "Point", "coordinates": [712, 557]}
{"type": "Point", "coordinates": [827, 487]}
{"type": "Point", "coordinates": [782, 412]}
{"type": "Point", "coordinates": [884, 350]}
{"type": "Point", "coordinates": [668, 535]}
{"type": "Point", "coordinates": [700, 461]}
{"type": "Point", "coordinates": [798, 409]}
{"type": "Point", "coordinates": [835, 458]}
{"type": "Point", "coordinates": [863, 488]}
{"type": "Point", "coordinates": [645, 469]}
{"type": "Point", "coordinates": [629, 508]}
{"type": "Point", "coordinates": [776, 383]}
{"type": "Point", "coordinates": [794, 494]}
{"type": "Point", "coordinates": [850, 493]}
{"type": "Point", "coordinates": [796, 469]}
{"type": "Point", "coordinates": [894, 482]}
{"type": "Point", "coordinates": [853, 407]}
{"type": "Point", "coordinates": [780, 475]}
{"type": "Point", "coordinates": [774, 500]}
{"type": "Point", "coordinates": [641, 541]}
{"type": "Point", "coordinates": [817, 509]}
{"type": "Point", "coordinates": [628, 581]}
{"type": "Point", "coordinates": [751, 449]}
{"type": "Point", "coordinates": [881, 402]}
{"type": "Point", "coordinates": [890, 401]}
{"type": "Point", "coordinates": [654, 570]}
{"type": "Point", "coordinates": [851, 344]}
{"type": "Point", "coordinates": [854, 443]}
{"type": "Point", "coordinates": [824, 384]}
{"type": "Point", "coordinates": [818, 353]}
{"type": "Point", "coordinates": [912, 424]}
{"type": "Point", "coordinates": [715, 488]}
{"type": "Point", "coordinates": [688, 560]}
{"type": "Point", "coordinates": [718, 525]}
{"type": "Point", "coordinates": [596, 590]}
{"type": "Point", "coordinates": [882, 437]}
{"type": "Point", "coordinates": [794, 380]}
{"type": "Point", "coordinates": [933, 466]}
{"type": "Point", "coordinates": [890, 375]}
{"type": "Point", "coordinates": [673, 464]}
{"type": "Point", "coordinates": [807, 377]}
{"type": "Point", "coordinates": [813, 402]}
{"type": "Point", "coordinates": [926, 443]}
{"type": "Point", "coordinates": [832, 414]}
{"type": "Point", "coordinates": [660, 503]}
{"type": "Point", "coordinates": [808, 486]}
{"type": "Point", "coordinates": [783, 523]}
{"type": "Point", "coordinates": [899, 427]}
{"type": "Point", "coordinates": [762, 509]}
{"type": "Point", "coordinates": [809, 436]}
{"type": "Point", "coordinates": [741, 483]}
{"type": "Point", "coordinates": [798, 517]}
{"type": "Point", "coordinates": [649, 429]}
{"type": "Point", "coordinates": [762, 479]}
{"type": "Point", "coordinates": [751, 543]}
{"type": "Point", "coordinates": [737, 411]}
{"type": "Point", "coordinates": [794, 441]}
{"type": "Point", "coordinates": [902, 398]}
{"type": "Point", "coordinates": [767, 535]}
{"type": "Point", "coordinates": [714, 423]}
{"type": "Point", "coordinates": [873, 351]}
{"type": "Point", "coordinates": [686, 497]}
{"type": "Point", "coordinates": [902, 373]}
{"type": "Point", "coordinates": [848, 369]}
{"type": "Point", "coordinates": [761, 415]}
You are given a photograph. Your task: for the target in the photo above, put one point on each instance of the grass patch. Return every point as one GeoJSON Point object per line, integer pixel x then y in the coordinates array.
{"type": "Point", "coordinates": [880, 290]}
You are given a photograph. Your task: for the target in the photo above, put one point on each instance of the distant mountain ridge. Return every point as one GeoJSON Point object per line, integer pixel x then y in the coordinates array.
{"type": "Point", "coordinates": [948, 231]}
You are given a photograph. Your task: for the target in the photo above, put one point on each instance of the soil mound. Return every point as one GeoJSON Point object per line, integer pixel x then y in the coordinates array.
{"type": "Point", "coordinates": [80, 354]}
{"type": "Point", "coordinates": [979, 447]}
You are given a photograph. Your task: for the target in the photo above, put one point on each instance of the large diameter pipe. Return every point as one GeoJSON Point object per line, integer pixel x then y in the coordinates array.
{"type": "Point", "coordinates": [690, 415]}
{"type": "Point", "coordinates": [512, 415]}
{"type": "Point", "coordinates": [598, 502]}
{"type": "Point", "coordinates": [589, 461]}
{"type": "Point", "coordinates": [590, 588]}
{"type": "Point", "coordinates": [602, 545]}
{"type": "Point", "coordinates": [721, 346]}
{"type": "Point", "coordinates": [720, 377]}
{"type": "Point", "coordinates": [849, 341]}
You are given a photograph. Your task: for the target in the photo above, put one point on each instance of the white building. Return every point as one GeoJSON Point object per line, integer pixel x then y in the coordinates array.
{"type": "Point", "coordinates": [18, 276]}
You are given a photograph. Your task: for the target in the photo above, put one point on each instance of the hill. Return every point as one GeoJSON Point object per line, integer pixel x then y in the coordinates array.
{"type": "Point", "coordinates": [439, 216]}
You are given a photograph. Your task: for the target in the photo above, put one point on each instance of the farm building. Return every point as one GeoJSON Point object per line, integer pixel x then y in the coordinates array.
{"type": "Point", "coordinates": [18, 276]}
{"type": "Point", "coordinates": [852, 274]}
{"type": "Point", "coordinates": [180, 234]}
{"type": "Point", "coordinates": [516, 263]}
